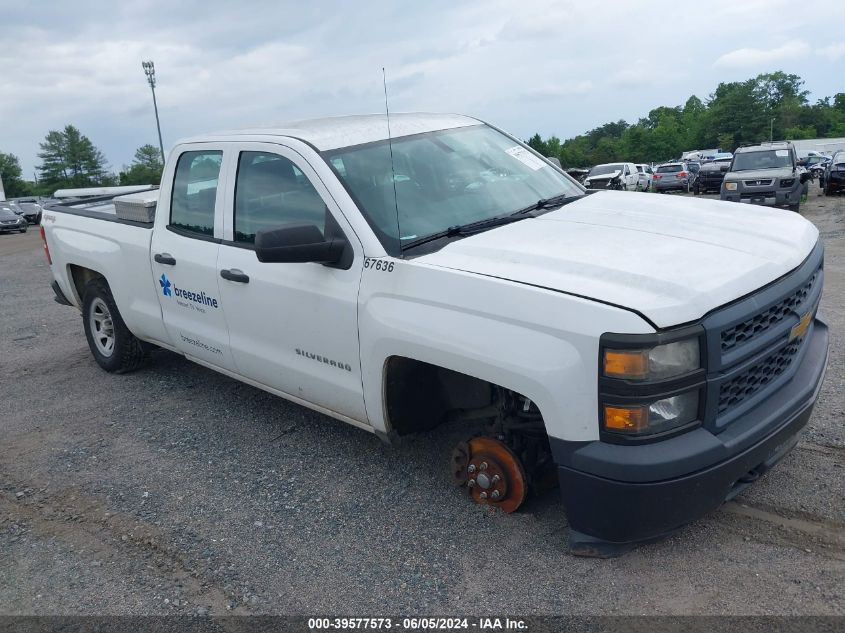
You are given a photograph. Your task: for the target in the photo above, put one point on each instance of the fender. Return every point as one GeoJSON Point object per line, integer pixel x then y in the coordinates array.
{"type": "Point", "coordinates": [540, 343]}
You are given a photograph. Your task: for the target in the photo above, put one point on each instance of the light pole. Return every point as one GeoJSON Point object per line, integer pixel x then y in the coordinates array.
{"type": "Point", "coordinates": [772, 130]}
{"type": "Point", "coordinates": [150, 72]}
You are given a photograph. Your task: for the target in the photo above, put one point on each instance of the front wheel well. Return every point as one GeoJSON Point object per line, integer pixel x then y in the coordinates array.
{"type": "Point", "coordinates": [419, 396]}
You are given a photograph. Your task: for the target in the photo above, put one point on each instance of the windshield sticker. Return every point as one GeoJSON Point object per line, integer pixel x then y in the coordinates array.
{"type": "Point", "coordinates": [781, 153]}
{"type": "Point", "coordinates": [526, 158]}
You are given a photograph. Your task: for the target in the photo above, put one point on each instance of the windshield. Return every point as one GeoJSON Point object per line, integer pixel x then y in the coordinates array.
{"type": "Point", "coordinates": [600, 170]}
{"type": "Point", "coordinates": [766, 159]}
{"type": "Point", "coordinates": [444, 179]}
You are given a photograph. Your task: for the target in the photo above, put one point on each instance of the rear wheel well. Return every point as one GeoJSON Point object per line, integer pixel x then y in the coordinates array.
{"type": "Point", "coordinates": [80, 276]}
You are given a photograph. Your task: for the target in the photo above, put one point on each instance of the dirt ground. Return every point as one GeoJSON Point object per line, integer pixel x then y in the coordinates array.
{"type": "Point", "coordinates": [177, 490]}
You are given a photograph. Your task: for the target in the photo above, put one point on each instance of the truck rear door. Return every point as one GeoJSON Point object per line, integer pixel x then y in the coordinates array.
{"type": "Point", "coordinates": [184, 251]}
{"type": "Point", "coordinates": [293, 326]}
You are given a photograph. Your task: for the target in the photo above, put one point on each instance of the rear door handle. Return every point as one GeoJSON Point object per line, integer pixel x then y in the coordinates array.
{"type": "Point", "coordinates": [165, 258]}
{"type": "Point", "coordinates": [233, 274]}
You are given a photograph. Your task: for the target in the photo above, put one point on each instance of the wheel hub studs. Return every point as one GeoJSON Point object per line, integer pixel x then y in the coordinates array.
{"type": "Point", "coordinates": [492, 473]}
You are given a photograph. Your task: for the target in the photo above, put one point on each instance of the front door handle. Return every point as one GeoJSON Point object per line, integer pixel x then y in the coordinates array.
{"type": "Point", "coordinates": [165, 258]}
{"type": "Point", "coordinates": [233, 274]}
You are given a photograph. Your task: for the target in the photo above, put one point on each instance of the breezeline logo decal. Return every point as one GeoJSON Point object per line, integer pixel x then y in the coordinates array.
{"type": "Point", "coordinates": [198, 300]}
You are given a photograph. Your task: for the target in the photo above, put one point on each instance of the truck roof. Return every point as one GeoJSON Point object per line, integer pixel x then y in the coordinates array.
{"type": "Point", "coordinates": [344, 131]}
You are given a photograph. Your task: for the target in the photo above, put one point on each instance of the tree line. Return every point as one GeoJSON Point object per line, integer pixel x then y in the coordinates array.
{"type": "Point", "coordinates": [69, 160]}
{"type": "Point", "coordinates": [771, 106]}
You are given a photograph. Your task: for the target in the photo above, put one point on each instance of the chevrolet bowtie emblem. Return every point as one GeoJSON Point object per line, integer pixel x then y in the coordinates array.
{"type": "Point", "coordinates": [800, 329]}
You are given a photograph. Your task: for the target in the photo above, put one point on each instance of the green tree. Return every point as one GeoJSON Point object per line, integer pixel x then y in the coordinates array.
{"type": "Point", "coordinates": [772, 104]}
{"type": "Point", "coordinates": [10, 174]}
{"type": "Point", "coordinates": [145, 169]}
{"type": "Point", "coordinates": [69, 159]}
{"type": "Point", "coordinates": [536, 143]}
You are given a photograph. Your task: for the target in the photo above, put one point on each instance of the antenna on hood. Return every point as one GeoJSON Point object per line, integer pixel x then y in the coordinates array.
{"type": "Point", "coordinates": [392, 168]}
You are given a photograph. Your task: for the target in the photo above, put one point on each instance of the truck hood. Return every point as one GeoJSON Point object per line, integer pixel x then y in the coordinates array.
{"type": "Point", "coordinates": [672, 259]}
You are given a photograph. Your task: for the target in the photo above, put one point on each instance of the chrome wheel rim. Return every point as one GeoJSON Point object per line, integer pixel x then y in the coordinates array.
{"type": "Point", "coordinates": [102, 327]}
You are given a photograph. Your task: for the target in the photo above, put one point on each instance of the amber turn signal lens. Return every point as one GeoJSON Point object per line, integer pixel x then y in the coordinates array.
{"type": "Point", "coordinates": [625, 363]}
{"type": "Point", "coordinates": [630, 419]}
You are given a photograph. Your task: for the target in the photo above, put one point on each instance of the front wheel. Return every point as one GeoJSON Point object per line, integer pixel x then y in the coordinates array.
{"type": "Point", "coordinates": [113, 346]}
{"type": "Point", "coordinates": [795, 207]}
{"type": "Point", "coordinates": [23, 230]}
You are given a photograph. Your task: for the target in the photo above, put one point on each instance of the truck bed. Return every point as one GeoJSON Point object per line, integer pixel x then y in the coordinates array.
{"type": "Point", "coordinates": [87, 235]}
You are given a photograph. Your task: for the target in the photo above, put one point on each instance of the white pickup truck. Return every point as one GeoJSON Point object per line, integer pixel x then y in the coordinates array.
{"type": "Point", "coordinates": [654, 354]}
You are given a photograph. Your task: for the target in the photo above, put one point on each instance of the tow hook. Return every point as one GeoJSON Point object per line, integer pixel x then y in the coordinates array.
{"type": "Point", "coordinates": [491, 472]}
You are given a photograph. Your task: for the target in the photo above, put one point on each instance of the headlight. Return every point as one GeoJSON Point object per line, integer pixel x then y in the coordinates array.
{"type": "Point", "coordinates": [730, 186]}
{"type": "Point", "coordinates": [787, 182]}
{"type": "Point", "coordinates": [656, 363]}
{"type": "Point", "coordinates": [652, 418]}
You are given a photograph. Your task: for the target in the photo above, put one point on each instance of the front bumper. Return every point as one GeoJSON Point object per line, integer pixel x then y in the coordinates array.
{"type": "Point", "coordinates": [776, 198]}
{"type": "Point", "coordinates": [618, 495]}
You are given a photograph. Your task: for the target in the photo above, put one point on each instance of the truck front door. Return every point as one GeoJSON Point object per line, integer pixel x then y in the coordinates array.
{"type": "Point", "coordinates": [185, 246]}
{"type": "Point", "coordinates": [293, 326]}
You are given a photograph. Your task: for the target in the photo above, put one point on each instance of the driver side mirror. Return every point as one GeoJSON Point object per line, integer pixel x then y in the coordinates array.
{"type": "Point", "coordinates": [297, 243]}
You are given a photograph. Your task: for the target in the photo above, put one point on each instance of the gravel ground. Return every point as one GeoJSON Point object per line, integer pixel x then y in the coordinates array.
{"type": "Point", "coordinates": [178, 490]}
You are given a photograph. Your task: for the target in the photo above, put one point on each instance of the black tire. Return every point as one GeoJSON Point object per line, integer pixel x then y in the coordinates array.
{"type": "Point", "coordinates": [23, 230]}
{"type": "Point", "coordinates": [113, 346]}
{"type": "Point", "coordinates": [795, 207]}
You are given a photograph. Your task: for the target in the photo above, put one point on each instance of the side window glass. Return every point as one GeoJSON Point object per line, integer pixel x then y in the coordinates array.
{"type": "Point", "coordinates": [271, 191]}
{"type": "Point", "coordinates": [194, 191]}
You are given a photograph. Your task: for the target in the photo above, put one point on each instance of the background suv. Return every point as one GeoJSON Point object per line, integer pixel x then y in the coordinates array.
{"type": "Point", "coordinates": [765, 174]}
{"type": "Point", "coordinates": [711, 174]}
{"type": "Point", "coordinates": [673, 177]}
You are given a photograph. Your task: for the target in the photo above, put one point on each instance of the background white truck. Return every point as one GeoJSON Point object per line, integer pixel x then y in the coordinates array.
{"type": "Point", "coordinates": [653, 354]}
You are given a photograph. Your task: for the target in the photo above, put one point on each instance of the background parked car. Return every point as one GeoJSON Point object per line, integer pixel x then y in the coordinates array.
{"type": "Point", "coordinates": [711, 174]}
{"type": "Point", "coordinates": [622, 176]}
{"type": "Point", "coordinates": [645, 175]}
{"type": "Point", "coordinates": [578, 173]}
{"type": "Point", "coordinates": [834, 174]}
{"type": "Point", "coordinates": [9, 220]}
{"type": "Point", "coordinates": [673, 177]}
{"type": "Point", "coordinates": [816, 165]}
{"type": "Point", "coordinates": [31, 211]}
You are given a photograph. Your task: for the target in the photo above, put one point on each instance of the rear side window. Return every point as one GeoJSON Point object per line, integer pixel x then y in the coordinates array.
{"type": "Point", "coordinates": [195, 190]}
{"type": "Point", "coordinates": [270, 192]}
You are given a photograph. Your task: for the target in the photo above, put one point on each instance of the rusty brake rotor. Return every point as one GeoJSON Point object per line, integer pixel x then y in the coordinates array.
{"type": "Point", "coordinates": [492, 472]}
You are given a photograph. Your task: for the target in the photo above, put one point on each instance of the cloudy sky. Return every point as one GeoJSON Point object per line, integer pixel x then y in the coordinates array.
{"type": "Point", "coordinates": [554, 67]}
